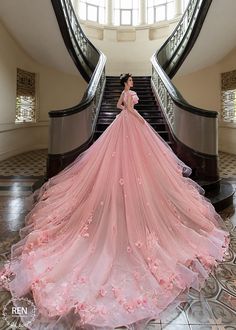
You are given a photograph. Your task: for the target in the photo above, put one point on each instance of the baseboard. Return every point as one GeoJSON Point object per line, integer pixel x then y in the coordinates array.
{"type": "Point", "coordinates": [227, 151]}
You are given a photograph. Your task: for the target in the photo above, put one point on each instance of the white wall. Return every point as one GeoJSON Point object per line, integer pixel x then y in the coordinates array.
{"type": "Point", "coordinates": [128, 49]}
{"type": "Point", "coordinates": [203, 89]}
{"type": "Point", "coordinates": [56, 90]}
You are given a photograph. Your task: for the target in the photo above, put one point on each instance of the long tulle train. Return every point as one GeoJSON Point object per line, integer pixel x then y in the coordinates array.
{"type": "Point", "coordinates": [116, 238]}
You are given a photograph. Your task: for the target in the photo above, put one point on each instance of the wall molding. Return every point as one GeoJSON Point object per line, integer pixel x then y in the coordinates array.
{"type": "Point", "coordinates": [227, 124]}
{"type": "Point", "coordinates": [155, 31]}
{"type": "Point", "coordinates": [5, 127]}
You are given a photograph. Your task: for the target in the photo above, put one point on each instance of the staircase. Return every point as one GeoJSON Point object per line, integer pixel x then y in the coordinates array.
{"type": "Point", "coordinates": [147, 106]}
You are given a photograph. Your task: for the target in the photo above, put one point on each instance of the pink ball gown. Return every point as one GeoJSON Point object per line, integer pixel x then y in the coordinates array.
{"type": "Point", "coordinates": [117, 237]}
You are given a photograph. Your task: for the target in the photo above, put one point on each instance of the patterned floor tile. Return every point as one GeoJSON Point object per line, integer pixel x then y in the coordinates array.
{"type": "Point", "coordinates": [176, 327]}
{"type": "Point", "coordinates": [204, 327]}
{"type": "Point", "coordinates": [227, 165]}
{"type": "Point", "coordinates": [177, 317]}
{"type": "Point", "coordinates": [31, 163]}
{"type": "Point", "coordinates": [154, 326]}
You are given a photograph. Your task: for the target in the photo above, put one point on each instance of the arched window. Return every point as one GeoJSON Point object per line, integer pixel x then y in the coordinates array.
{"type": "Point", "coordinates": [126, 12]}
{"type": "Point", "coordinates": [160, 10]}
{"type": "Point", "coordinates": [92, 10]}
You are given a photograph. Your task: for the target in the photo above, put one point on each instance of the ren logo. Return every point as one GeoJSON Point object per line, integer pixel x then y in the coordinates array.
{"type": "Point", "coordinates": [19, 311]}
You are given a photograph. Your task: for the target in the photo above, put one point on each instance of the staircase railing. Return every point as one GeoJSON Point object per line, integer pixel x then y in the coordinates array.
{"type": "Point", "coordinates": [173, 52]}
{"type": "Point", "coordinates": [71, 130]}
{"type": "Point", "coordinates": [194, 131]}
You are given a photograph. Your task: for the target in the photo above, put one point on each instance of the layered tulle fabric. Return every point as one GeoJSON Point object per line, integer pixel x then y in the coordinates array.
{"type": "Point", "coordinates": [117, 237]}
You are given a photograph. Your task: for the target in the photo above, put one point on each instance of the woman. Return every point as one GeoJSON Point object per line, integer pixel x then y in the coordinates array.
{"type": "Point", "coordinates": [127, 82]}
{"type": "Point", "coordinates": [113, 239]}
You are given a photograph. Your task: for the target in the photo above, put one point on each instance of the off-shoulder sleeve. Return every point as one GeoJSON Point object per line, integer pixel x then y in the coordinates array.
{"type": "Point", "coordinates": [135, 98]}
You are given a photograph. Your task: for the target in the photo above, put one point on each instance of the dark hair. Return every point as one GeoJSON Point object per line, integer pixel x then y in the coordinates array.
{"type": "Point", "coordinates": [124, 78]}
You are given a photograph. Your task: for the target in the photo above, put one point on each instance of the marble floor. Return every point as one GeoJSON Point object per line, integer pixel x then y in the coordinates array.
{"type": "Point", "coordinates": [213, 308]}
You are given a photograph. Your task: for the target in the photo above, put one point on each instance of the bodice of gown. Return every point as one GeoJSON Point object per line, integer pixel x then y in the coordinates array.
{"type": "Point", "coordinates": [134, 98]}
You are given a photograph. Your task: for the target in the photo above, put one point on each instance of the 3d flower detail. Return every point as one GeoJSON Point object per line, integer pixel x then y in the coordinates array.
{"type": "Point", "coordinates": [116, 292]}
{"type": "Point", "coordinates": [90, 219]}
{"type": "Point", "coordinates": [207, 261]}
{"type": "Point", "coordinates": [48, 269]}
{"type": "Point", "coordinates": [29, 246]}
{"type": "Point", "coordinates": [139, 180]}
{"type": "Point", "coordinates": [102, 292]}
{"type": "Point", "coordinates": [152, 240]}
{"type": "Point", "coordinates": [139, 244]}
{"type": "Point", "coordinates": [79, 306]}
{"type": "Point", "coordinates": [121, 181]}
{"type": "Point", "coordinates": [45, 194]}
{"type": "Point", "coordinates": [161, 281]}
{"type": "Point", "coordinates": [84, 232]}
{"type": "Point", "coordinates": [5, 275]}
{"type": "Point", "coordinates": [50, 218]}
{"type": "Point", "coordinates": [82, 279]}
{"type": "Point", "coordinates": [43, 238]}
{"type": "Point", "coordinates": [102, 310]}
{"type": "Point", "coordinates": [141, 301]}
{"type": "Point", "coordinates": [121, 301]}
{"type": "Point", "coordinates": [128, 249]}
{"type": "Point", "coordinates": [129, 306]}
{"type": "Point", "coordinates": [60, 309]}
{"type": "Point", "coordinates": [168, 285]}
{"type": "Point", "coordinates": [35, 283]}
{"type": "Point", "coordinates": [153, 265]}
{"type": "Point", "coordinates": [137, 276]}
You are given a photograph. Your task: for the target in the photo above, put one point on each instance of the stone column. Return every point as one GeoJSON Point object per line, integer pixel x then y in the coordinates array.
{"type": "Point", "coordinates": [109, 11]}
{"type": "Point", "coordinates": [75, 4]}
{"type": "Point", "coordinates": [142, 12]}
{"type": "Point", "coordinates": [178, 8]}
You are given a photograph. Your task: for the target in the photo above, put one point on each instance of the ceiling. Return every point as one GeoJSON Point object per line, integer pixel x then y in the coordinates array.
{"type": "Point", "coordinates": [33, 24]}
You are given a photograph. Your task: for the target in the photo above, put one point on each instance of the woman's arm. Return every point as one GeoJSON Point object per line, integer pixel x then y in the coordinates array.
{"type": "Point", "coordinates": [120, 101]}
